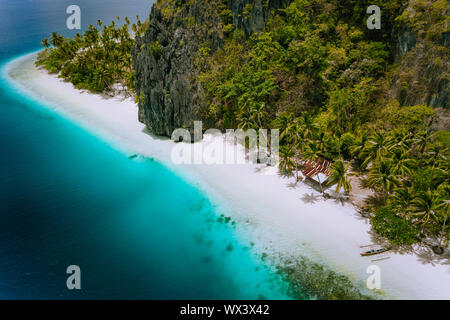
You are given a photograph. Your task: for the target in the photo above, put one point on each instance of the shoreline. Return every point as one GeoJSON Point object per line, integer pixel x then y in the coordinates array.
{"type": "Point", "coordinates": [281, 219]}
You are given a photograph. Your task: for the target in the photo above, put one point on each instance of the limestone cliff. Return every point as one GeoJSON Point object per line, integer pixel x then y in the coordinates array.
{"type": "Point", "coordinates": [422, 55]}
{"type": "Point", "coordinates": [165, 57]}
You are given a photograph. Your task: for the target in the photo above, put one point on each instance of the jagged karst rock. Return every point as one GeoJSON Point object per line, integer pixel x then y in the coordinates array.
{"type": "Point", "coordinates": [252, 15]}
{"type": "Point", "coordinates": [166, 70]}
{"type": "Point", "coordinates": [422, 74]}
{"type": "Point", "coordinates": [164, 63]}
{"type": "Point", "coordinates": [421, 53]}
{"type": "Point", "coordinates": [164, 58]}
{"type": "Point", "coordinates": [404, 39]}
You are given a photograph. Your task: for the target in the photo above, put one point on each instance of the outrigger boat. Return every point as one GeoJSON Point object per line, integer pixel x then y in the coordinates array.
{"type": "Point", "coordinates": [375, 251]}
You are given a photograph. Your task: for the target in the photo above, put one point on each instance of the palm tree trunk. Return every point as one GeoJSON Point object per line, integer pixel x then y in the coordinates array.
{"type": "Point", "coordinates": [443, 233]}
{"type": "Point", "coordinates": [320, 184]}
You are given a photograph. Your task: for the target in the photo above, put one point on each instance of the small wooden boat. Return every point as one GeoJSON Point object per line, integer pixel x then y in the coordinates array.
{"type": "Point", "coordinates": [375, 251]}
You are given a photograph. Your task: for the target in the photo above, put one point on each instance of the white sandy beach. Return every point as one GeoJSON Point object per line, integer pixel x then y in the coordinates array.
{"type": "Point", "coordinates": [279, 218]}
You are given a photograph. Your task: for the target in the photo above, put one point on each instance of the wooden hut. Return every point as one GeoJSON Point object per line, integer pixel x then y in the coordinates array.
{"type": "Point", "coordinates": [317, 171]}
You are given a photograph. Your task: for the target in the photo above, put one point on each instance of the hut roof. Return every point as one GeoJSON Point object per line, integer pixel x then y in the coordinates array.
{"type": "Point", "coordinates": [317, 170]}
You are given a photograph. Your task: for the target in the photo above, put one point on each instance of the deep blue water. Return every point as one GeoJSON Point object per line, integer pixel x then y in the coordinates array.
{"type": "Point", "coordinates": [66, 198]}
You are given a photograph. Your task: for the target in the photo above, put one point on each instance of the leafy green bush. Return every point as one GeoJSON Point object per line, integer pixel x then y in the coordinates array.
{"type": "Point", "coordinates": [394, 228]}
{"type": "Point", "coordinates": [156, 49]}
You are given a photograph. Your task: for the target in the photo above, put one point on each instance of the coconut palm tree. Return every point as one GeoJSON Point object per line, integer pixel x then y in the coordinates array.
{"type": "Point", "coordinates": [56, 39]}
{"type": "Point", "coordinates": [358, 147]}
{"type": "Point", "coordinates": [244, 118]}
{"type": "Point", "coordinates": [292, 130]}
{"type": "Point", "coordinates": [320, 138]}
{"type": "Point", "coordinates": [374, 148]}
{"type": "Point", "coordinates": [308, 125]}
{"type": "Point", "coordinates": [403, 162]}
{"type": "Point", "coordinates": [382, 176]}
{"type": "Point", "coordinates": [78, 39]}
{"type": "Point", "coordinates": [45, 43]}
{"type": "Point", "coordinates": [312, 151]}
{"type": "Point", "coordinates": [436, 155]}
{"type": "Point", "coordinates": [443, 216]}
{"type": "Point", "coordinates": [426, 206]}
{"type": "Point", "coordinates": [421, 140]}
{"type": "Point", "coordinates": [338, 176]}
{"type": "Point", "coordinates": [400, 139]}
{"type": "Point", "coordinates": [91, 36]}
{"type": "Point", "coordinates": [258, 111]}
{"type": "Point", "coordinates": [300, 142]}
{"type": "Point", "coordinates": [103, 77]}
{"type": "Point", "coordinates": [402, 199]}
{"type": "Point", "coordinates": [283, 123]}
{"type": "Point", "coordinates": [287, 163]}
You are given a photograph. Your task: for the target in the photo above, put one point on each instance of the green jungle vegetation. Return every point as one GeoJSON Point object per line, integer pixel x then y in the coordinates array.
{"type": "Point", "coordinates": [322, 77]}
{"type": "Point", "coordinates": [97, 59]}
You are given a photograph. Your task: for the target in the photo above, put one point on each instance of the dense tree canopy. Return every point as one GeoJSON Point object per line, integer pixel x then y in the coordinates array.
{"type": "Point", "coordinates": [96, 60]}
{"type": "Point", "coordinates": [321, 77]}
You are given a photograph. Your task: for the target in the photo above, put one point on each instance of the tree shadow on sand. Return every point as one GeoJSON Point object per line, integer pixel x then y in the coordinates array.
{"type": "Point", "coordinates": [259, 169]}
{"type": "Point", "coordinates": [427, 256]}
{"type": "Point", "coordinates": [362, 214]}
{"type": "Point", "coordinates": [285, 175]}
{"type": "Point", "coordinates": [292, 185]}
{"type": "Point", "coordinates": [338, 199]}
{"type": "Point", "coordinates": [310, 198]}
{"type": "Point", "coordinates": [375, 201]}
{"type": "Point", "coordinates": [423, 252]}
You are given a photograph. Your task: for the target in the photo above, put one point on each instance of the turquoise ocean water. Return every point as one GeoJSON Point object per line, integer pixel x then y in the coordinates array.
{"type": "Point", "coordinates": [66, 198]}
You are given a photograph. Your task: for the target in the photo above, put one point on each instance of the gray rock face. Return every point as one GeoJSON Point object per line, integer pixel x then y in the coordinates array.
{"type": "Point", "coordinates": [164, 58]}
{"type": "Point", "coordinates": [164, 63]}
{"type": "Point", "coordinates": [404, 39]}
{"type": "Point", "coordinates": [423, 70]}
{"type": "Point", "coordinates": [252, 15]}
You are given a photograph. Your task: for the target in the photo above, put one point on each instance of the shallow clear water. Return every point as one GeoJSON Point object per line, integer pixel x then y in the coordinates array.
{"type": "Point", "coordinates": [67, 198]}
